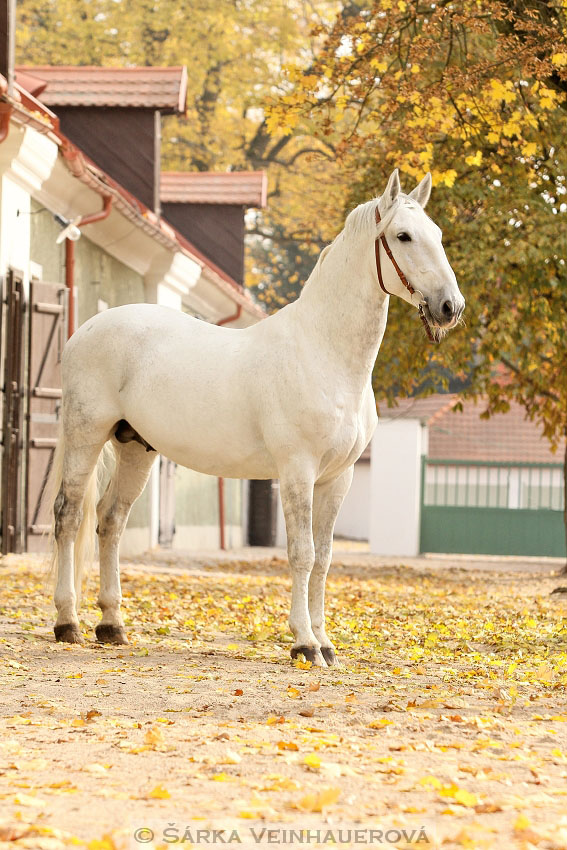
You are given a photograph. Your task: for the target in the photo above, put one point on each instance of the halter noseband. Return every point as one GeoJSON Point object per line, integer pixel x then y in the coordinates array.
{"type": "Point", "coordinates": [402, 277]}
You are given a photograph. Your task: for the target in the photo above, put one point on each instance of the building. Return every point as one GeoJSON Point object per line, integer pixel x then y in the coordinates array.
{"type": "Point", "coordinates": [67, 139]}
{"type": "Point", "coordinates": [436, 479]}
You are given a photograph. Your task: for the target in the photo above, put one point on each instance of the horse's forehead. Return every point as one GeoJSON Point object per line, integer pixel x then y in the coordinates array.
{"type": "Point", "coordinates": [411, 214]}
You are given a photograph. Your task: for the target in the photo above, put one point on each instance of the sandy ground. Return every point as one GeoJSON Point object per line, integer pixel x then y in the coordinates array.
{"type": "Point", "coordinates": [446, 725]}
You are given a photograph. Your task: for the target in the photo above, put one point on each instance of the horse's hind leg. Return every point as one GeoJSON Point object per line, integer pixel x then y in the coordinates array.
{"type": "Point", "coordinates": [133, 464]}
{"type": "Point", "coordinates": [79, 462]}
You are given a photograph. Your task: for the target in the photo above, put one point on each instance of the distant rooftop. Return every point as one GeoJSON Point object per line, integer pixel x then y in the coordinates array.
{"type": "Point", "coordinates": [239, 188]}
{"type": "Point", "coordinates": [455, 435]}
{"type": "Point", "coordinates": [90, 85]}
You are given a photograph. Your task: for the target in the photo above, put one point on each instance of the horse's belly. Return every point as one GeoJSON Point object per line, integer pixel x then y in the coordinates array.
{"type": "Point", "coordinates": [258, 464]}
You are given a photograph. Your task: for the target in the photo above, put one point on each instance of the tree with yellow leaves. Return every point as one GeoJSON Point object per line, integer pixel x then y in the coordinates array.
{"type": "Point", "coordinates": [234, 52]}
{"type": "Point", "coordinates": [476, 93]}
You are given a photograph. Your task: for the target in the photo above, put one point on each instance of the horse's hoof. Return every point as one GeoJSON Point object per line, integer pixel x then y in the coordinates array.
{"type": "Point", "coordinates": [107, 633]}
{"type": "Point", "coordinates": [68, 633]}
{"type": "Point", "coordinates": [328, 654]}
{"type": "Point", "coordinates": [310, 653]}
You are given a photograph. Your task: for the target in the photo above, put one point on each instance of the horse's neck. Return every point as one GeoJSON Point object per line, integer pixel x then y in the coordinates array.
{"type": "Point", "coordinates": [343, 307]}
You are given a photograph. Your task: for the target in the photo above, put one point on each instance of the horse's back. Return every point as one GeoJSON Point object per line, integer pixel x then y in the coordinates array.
{"type": "Point", "coordinates": [186, 386]}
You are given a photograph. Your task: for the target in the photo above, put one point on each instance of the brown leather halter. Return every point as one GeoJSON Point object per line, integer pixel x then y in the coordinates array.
{"type": "Point", "coordinates": [401, 276]}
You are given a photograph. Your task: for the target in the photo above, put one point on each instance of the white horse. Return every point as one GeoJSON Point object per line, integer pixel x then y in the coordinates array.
{"type": "Point", "coordinates": [288, 398]}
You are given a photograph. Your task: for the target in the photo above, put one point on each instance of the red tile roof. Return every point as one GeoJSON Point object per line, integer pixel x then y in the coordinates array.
{"type": "Point", "coordinates": [455, 435]}
{"type": "Point", "coordinates": [242, 188]}
{"type": "Point", "coordinates": [31, 83]}
{"type": "Point", "coordinates": [416, 408]}
{"type": "Point", "coordinates": [89, 85]}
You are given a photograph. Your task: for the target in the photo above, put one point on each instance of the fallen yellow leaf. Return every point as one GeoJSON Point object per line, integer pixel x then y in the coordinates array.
{"type": "Point", "coordinates": [319, 802]}
{"type": "Point", "coordinates": [159, 793]}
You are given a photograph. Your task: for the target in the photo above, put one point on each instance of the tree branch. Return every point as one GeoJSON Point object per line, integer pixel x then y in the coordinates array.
{"type": "Point", "coordinates": [528, 380]}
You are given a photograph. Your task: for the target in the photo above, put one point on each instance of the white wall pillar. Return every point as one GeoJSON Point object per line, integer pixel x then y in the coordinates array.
{"type": "Point", "coordinates": [15, 228]}
{"type": "Point", "coordinates": [395, 485]}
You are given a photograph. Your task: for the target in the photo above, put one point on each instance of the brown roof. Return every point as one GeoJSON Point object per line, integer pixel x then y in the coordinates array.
{"type": "Point", "coordinates": [28, 111]}
{"type": "Point", "coordinates": [463, 435]}
{"type": "Point", "coordinates": [89, 85]}
{"type": "Point", "coordinates": [242, 188]}
{"type": "Point", "coordinates": [31, 83]}
{"type": "Point", "coordinates": [416, 408]}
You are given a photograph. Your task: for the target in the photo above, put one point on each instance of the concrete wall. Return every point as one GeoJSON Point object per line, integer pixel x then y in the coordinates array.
{"type": "Point", "coordinates": [197, 511]}
{"type": "Point", "coordinates": [15, 230]}
{"type": "Point", "coordinates": [145, 271]}
{"type": "Point", "coordinates": [99, 280]}
{"type": "Point", "coordinates": [353, 520]}
{"type": "Point", "coordinates": [99, 277]}
{"type": "Point", "coordinates": [395, 485]}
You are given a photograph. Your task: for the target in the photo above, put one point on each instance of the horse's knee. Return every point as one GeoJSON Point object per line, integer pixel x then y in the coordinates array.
{"type": "Point", "coordinates": [301, 554]}
{"type": "Point", "coordinates": [323, 555]}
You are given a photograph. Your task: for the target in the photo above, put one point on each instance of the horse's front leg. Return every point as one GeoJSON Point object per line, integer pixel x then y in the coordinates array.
{"type": "Point", "coordinates": [296, 490]}
{"type": "Point", "coordinates": [327, 500]}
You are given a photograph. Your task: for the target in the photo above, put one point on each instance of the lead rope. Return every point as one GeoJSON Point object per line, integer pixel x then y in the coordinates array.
{"type": "Point", "coordinates": [401, 276]}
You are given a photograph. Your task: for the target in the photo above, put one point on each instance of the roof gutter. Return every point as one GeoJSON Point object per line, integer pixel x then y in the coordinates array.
{"type": "Point", "coordinates": [6, 110]}
{"type": "Point", "coordinates": [103, 185]}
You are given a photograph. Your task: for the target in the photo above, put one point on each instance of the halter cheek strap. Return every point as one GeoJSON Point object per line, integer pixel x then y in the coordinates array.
{"type": "Point", "coordinates": [382, 239]}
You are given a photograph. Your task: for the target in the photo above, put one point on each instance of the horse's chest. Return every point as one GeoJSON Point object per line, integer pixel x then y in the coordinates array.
{"type": "Point", "coordinates": [347, 439]}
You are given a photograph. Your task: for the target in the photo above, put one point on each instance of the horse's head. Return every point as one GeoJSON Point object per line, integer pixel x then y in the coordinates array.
{"type": "Point", "coordinates": [411, 262]}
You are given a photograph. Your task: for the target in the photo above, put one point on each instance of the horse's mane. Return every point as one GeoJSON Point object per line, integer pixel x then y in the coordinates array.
{"type": "Point", "coordinates": [361, 221]}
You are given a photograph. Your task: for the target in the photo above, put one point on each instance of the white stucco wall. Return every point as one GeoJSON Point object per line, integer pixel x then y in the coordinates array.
{"type": "Point", "coordinates": [15, 228]}
{"type": "Point", "coordinates": [353, 520]}
{"type": "Point", "coordinates": [395, 483]}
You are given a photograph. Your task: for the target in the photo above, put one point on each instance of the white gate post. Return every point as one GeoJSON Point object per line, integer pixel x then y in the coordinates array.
{"type": "Point", "coordinates": [395, 487]}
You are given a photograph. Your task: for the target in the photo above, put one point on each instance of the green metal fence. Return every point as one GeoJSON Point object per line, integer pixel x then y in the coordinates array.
{"type": "Point", "coordinates": [492, 508]}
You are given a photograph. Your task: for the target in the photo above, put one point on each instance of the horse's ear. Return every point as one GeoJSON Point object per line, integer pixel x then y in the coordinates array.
{"type": "Point", "coordinates": [422, 191]}
{"type": "Point", "coordinates": [391, 192]}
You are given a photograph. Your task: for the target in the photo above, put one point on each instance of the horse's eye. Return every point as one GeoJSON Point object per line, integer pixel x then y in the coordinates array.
{"type": "Point", "coordinates": [404, 237]}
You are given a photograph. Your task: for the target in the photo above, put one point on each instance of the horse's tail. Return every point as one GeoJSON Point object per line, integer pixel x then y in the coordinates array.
{"type": "Point", "coordinates": [85, 541]}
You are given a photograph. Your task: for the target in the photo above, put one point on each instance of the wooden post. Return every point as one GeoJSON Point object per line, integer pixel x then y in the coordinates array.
{"type": "Point", "coordinates": [7, 41]}
{"type": "Point", "coordinates": [157, 162]}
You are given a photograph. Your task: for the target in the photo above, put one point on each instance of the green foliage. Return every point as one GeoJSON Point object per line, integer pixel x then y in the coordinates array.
{"type": "Point", "coordinates": [234, 51]}
{"type": "Point", "coordinates": [278, 265]}
{"type": "Point", "coordinates": [476, 93]}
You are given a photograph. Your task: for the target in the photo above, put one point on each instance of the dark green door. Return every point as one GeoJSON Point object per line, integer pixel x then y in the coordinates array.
{"type": "Point", "coordinates": [492, 509]}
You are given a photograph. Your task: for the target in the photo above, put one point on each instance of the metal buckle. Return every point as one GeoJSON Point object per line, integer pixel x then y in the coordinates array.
{"type": "Point", "coordinates": [419, 298]}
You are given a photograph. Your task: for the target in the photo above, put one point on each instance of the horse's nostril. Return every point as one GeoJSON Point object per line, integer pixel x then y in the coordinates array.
{"type": "Point", "coordinates": [447, 309]}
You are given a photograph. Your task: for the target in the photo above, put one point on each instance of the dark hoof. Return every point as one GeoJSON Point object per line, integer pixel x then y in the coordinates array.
{"type": "Point", "coordinates": [328, 654]}
{"type": "Point", "coordinates": [68, 633]}
{"type": "Point", "coordinates": [310, 653]}
{"type": "Point", "coordinates": [106, 633]}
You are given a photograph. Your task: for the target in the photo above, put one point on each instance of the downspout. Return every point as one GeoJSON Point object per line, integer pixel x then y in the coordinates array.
{"type": "Point", "coordinates": [70, 284]}
{"type": "Point", "coordinates": [232, 318]}
{"type": "Point", "coordinates": [70, 259]}
{"type": "Point", "coordinates": [6, 110]}
{"type": "Point", "coordinates": [222, 542]}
